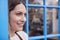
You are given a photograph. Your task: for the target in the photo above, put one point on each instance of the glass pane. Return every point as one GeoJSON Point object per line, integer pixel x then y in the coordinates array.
{"type": "Point", "coordinates": [52, 21]}
{"type": "Point", "coordinates": [35, 21]}
{"type": "Point", "coordinates": [55, 38]}
{"type": "Point", "coordinates": [39, 39]}
{"type": "Point", "coordinates": [35, 2]}
{"type": "Point", "coordinates": [52, 2]}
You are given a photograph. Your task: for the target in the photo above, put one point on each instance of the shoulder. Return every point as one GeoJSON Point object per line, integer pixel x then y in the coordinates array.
{"type": "Point", "coordinates": [23, 35]}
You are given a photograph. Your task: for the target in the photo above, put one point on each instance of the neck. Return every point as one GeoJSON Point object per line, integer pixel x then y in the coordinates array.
{"type": "Point", "coordinates": [11, 32]}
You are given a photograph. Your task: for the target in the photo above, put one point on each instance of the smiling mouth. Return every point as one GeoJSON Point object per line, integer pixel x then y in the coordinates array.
{"type": "Point", "coordinates": [20, 24]}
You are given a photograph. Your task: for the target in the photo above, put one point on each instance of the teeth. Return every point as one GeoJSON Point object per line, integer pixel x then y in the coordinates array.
{"type": "Point", "coordinates": [21, 24]}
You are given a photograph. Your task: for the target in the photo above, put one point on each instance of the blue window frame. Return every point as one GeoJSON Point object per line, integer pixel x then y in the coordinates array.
{"type": "Point", "coordinates": [45, 28]}
{"type": "Point", "coordinates": [4, 20]}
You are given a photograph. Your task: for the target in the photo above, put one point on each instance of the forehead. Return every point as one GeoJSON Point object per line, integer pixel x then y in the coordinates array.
{"type": "Point", "coordinates": [20, 8]}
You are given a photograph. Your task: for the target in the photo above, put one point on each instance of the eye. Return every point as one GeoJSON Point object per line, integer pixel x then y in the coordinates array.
{"type": "Point", "coordinates": [18, 14]}
{"type": "Point", "coordinates": [25, 14]}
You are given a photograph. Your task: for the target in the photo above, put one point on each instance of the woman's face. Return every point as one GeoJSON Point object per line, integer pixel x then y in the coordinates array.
{"type": "Point", "coordinates": [17, 17]}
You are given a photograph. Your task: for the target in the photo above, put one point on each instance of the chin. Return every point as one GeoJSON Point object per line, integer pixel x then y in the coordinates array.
{"type": "Point", "coordinates": [19, 29]}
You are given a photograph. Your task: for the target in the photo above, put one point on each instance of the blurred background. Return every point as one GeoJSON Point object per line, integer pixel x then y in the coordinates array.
{"type": "Point", "coordinates": [36, 26]}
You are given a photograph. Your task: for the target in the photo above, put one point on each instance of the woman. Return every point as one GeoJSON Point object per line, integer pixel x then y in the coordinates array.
{"type": "Point", "coordinates": [17, 18]}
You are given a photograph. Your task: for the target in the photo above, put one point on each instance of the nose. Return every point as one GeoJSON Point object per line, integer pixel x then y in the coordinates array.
{"type": "Point", "coordinates": [23, 18]}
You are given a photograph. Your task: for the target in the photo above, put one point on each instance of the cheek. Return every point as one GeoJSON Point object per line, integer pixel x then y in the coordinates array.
{"type": "Point", "coordinates": [12, 21]}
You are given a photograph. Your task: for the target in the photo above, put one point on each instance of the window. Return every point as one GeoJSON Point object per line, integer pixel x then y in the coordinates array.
{"type": "Point", "coordinates": [43, 19]}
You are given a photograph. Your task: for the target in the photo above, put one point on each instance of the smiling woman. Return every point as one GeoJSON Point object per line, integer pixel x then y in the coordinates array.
{"type": "Point", "coordinates": [17, 18]}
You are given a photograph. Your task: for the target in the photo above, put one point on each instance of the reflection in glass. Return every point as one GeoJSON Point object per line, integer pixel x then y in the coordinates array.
{"type": "Point", "coordinates": [52, 2]}
{"type": "Point", "coordinates": [52, 21]}
{"type": "Point", "coordinates": [35, 2]}
{"type": "Point", "coordinates": [39, 39]}
{"type": "Point", "coordinates": [35, 21]}
{"type": "Point", "coordinates": [56, 38]}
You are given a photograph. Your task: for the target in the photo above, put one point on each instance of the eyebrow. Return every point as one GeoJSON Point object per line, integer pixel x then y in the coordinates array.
{"type": "Point", "coordinates": [20, 12]}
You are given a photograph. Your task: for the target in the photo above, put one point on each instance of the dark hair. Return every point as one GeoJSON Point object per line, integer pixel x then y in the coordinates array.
{"type": "Point", "coordinates": [13, 3]}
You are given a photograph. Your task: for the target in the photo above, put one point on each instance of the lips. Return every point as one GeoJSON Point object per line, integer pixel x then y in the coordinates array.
{"type": "Point", "coordinates": [20, 24]}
